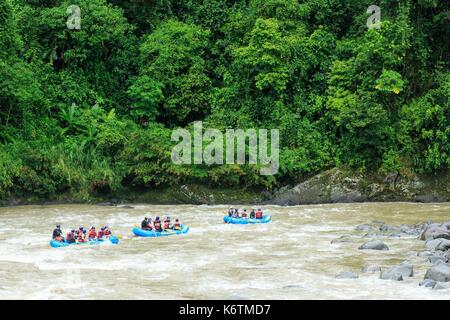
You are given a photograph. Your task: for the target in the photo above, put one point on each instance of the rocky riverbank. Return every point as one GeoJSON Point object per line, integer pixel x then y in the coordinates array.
{"type": "Point", "coordinates": [337, 185]}
{"type": "Point", "coordinates": [436, 253]}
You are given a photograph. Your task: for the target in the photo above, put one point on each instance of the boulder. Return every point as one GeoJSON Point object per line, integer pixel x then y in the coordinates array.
{"type": "Point", "coordinates": [371, 269]}
{"type": "Point", "coordinates": [424, 254]}
{"type": "Point", "coordinates": [347, 275]}
{"type": "Point", "coordinates": [374, 245]}
{"type": "Point", "coordinates": [363, 227]}
{"type": "Point", "coordinates": [427, 283]}
{"type": "Point", "coordinates": [405, 270]}
{"type": "Point", "coordinates": [342, 239]}
{"type": "Point", "coordinates": [435, 231]}
{"type": "Point", "coordinates": [441, 285]}
{"type": "Point", "coordinates": [392, 276]}
{"type": "Point", "coordinates": [436, 259]}
{"type": "Point", "coordinates": [444, 245]}
{"type": "Point", "coordinates": [433, 244]}
{"type": "Point", "coordinates": [439, 272]}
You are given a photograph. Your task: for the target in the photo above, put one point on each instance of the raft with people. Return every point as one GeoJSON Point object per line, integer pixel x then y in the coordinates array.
{"type": "Point", "coordinates": [236, 216]}
{"type": "Point", "coordinates": [82, 237]}
{"type": "Point", "coordinates": [158, 228]}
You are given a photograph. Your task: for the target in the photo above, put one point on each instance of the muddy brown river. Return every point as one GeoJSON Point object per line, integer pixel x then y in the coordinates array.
{"type": "Point", "coordinates": [289, 258]}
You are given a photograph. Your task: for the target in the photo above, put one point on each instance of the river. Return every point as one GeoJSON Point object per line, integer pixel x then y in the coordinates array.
{"type": "Point", "coordinates": [289, 258]}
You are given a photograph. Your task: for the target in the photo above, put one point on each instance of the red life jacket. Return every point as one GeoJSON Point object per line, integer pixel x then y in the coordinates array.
{"type": "Point", "coordinates": [92, 233]}
{"type": "Point", "coordinates": [100, 234]}
{"type": "Point", "coordinates": [106, 232]}
{"type": "Point", "coordinates": [259, 215]}
{"type": "Point", "coordinates": [69, 236]}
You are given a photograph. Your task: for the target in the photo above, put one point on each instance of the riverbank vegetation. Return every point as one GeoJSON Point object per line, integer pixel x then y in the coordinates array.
{"type": "Point", "coordinates": [91, 111]}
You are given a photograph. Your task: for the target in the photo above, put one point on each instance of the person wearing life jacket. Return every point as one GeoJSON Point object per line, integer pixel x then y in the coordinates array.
{"type": "Point", "coordinates": [157, 224]}
{"type": "Point", "coordinates": [244, 213]}
{"type": "Point", "coordinates": [92, 234]}
{"type": "Point", "coordinates": [259, 214]}
{"type": "Point", "coordinates": [57, 234]}
{"type": "Point", "coordinates": [230, 212]}
{"type": "Point", "coordinates": [81, 236]}
{"type": "Point", "coordinates": [146, 224]}
{"type": "Point", "coordinates": [101, 233]}
{"type": "Point", "coordinates": [236, 213]}
{"type": "Point", "coordinates": [177, 224]}
{"type": "Point", "coordinates": [106, 231]}
{"type": "Point", "coordinates": [252, 214]}
{"type": "Point", "coordinates": [167, 225]}
{"type": "Point", "coordinates": [70, 237]}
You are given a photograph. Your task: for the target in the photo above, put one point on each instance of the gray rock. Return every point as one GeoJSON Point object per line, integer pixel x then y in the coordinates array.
{"type": "Point", "coordinates": [439, 272]}
{"type": "Point", "coordinates": [363, 227]}
{"type": "Point", "coordinates": [392, 276]}
{"type": "Point", "coordinates": [424, 254]}
{"type": "Point", "coordinates": [433, 244]}
{"type": "Point", "coordinates": [435, 231]}
{"type": "Point", "coordinates": [342, 239]}
{"type": "Point", "coordinates": [436, 259]}
{"type": "Point", "coordinates": [374, 245]}
{"type": "Point", "coordinates": [371, 269]}
{"type": "Point", "coordinates": [405, 270]}
{"type": "Point", "coordinates": [447, 255]}
{"type": "Point", "coordinates": [427, 283]}
{"type": "Point", "coordinates": [446, 225]}
{"type": "Point", "coordinates": [444, 245]}
{"type": "Point", "coordinates": [441, 285]}
{"type": "Point", "coordinates": [347, 275]}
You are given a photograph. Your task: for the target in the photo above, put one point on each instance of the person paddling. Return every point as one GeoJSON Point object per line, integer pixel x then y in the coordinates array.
{"type": "Point", "coordinates": [146, 224]}
{"type": "Point", "coordinates": [167, 225]}
{"type": "Point", "coordinates": [92, 235]}
{"type": "Point", "coordinates": [252, 214]}
{"type": "Point", "coordinates": [259, 214]}
{"type": "Point", "coordinates": [177, 224]}
{"type": "Point", "coordinates": [81, 235]}
{"type": "Point", "coordinates": [106, 231]}
{"type": "Point", "coordinates": [70, 237]}
{"type": "Point", "coordinates": [157, 225]}
{"type": "Point", "coordinates": [101, 233]}
{"type": "Point", "coordinates": [230, 212]}
{"type": "Point", "coordinates": [57, 234]}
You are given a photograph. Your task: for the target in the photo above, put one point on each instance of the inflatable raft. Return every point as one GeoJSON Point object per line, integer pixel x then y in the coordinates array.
{"type": "Point", "coordinates": [265, 219]}
{"type": "Point", "coordinates": [58, 244]}
{"type": "Point", "coordinates": [151, 233]}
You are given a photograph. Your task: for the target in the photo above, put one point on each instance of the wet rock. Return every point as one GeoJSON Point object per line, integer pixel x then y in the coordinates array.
{"type": "Point", "coordinates": [392, 276]}
{"type": "Point", "coordinates": [439, 272]}
{"type": "Point", "coordinates": [384, 227]}
{"type": "Point", "coordinates": [394, 235]}
{"type": "Point", "coordinates": [447, 255]}
{"type": "Point", "coordinates": [435, 231]}
{"type": "Point", "coordinates": [371, 269]}
{"type": "Point", "coordinates": [372, 235]}
{"type": "Point", "coordinates": [444, 245]}
{"type": "Point", "coordinates": [347, 275]}
{"type": "Point", "coordinates": [441, 285]}
{"type": "Point", "coordinates": [342, 239]}
{"type": "Point", "coordinates": [427, 283]}
{"type": "Point", "coordinates": [436, 259]}
{"type": "Point", "coordinates": [378, 222]}
{"type": "Point", "coordinates": [424, 254]}
{"type": "Point", "coordinates": [433, 244]}
{"type": "Point", "coordinates": [405, 270]}
{"type": "Point", "coordinates": [363, 227]}
{"type": "Point", "coordinates": [374, 245]}
{"type": "Point", "coordinates": [446, 225]}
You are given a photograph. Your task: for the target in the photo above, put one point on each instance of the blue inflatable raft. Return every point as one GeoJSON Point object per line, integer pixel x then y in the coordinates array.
{"type": "Point", "coordinates": [265, 219]}
{"type": "Point", "coordinates": [151, 233]}
{"type": "Point", "coordinates": [58, 244]}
